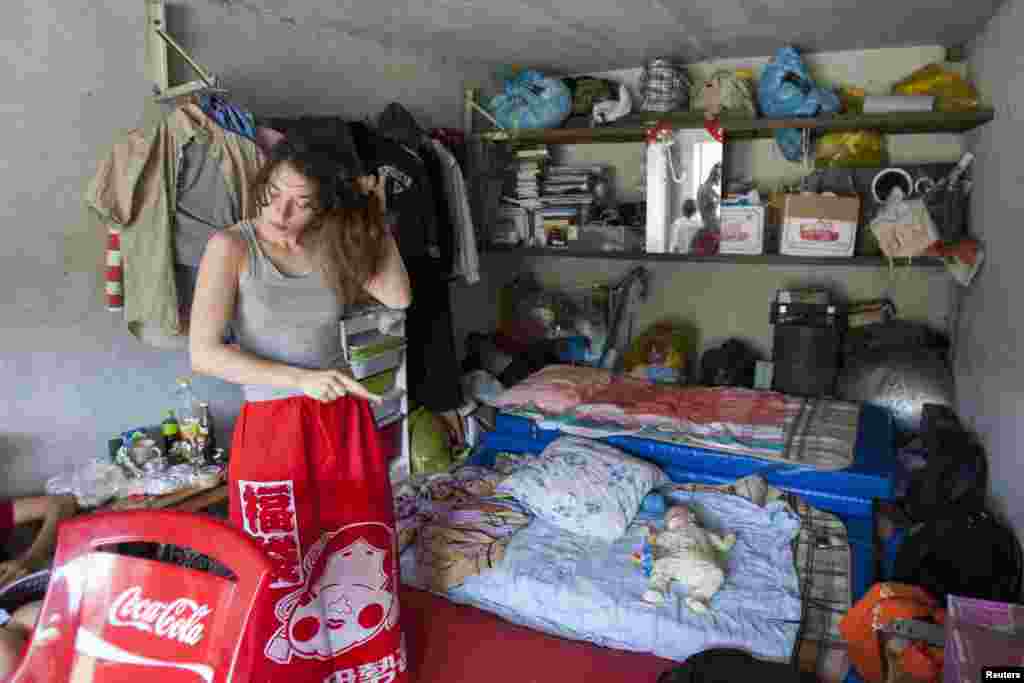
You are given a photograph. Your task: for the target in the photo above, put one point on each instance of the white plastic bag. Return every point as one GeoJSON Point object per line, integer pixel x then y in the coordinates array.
{"type": "Point", "coordinates": [904, 228]}
{"type": "Point", "coordinates": [97, 482]}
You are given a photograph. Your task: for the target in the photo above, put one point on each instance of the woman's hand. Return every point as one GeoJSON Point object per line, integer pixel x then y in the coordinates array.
{"type": "Point", "coordinates": [376, 186]}
{"type": "Point", "coordinates": [328, 385]}
{"type": "Point", "coordinates": [11, 571]}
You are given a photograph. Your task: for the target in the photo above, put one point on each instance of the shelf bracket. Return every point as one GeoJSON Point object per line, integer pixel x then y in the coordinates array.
{"type": "Point", "coordinates": [158, 41]}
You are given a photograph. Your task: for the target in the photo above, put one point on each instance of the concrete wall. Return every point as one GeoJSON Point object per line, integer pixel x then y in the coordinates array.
{"type": "Point", "coordinates": [726, 300]}
{"type": "Point", "coordinates": [989, 370]}
{"type": "Point", "coordinates": [70, 373]}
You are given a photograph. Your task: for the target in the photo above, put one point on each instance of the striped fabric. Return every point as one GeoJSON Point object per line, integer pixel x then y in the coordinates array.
{"type": "Point", "coordinates": [114, 274]}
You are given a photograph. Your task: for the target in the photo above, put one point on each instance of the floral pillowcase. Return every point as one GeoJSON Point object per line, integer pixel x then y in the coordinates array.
{"type": "Point", "coordinates": [583, 486]}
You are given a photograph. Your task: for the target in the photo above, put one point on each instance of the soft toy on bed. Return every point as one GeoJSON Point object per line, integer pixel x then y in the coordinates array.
{"type": "Point", "coordinates": [687, 553]}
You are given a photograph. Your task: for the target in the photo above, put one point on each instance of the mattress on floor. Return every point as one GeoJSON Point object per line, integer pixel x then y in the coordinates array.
{"type": "Point", "coordinates": [848, 492]}
{"type": "Point", "coordinates": [571, 586]}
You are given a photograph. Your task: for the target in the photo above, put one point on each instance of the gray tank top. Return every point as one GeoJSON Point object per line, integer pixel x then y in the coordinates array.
{"type": "Point", "coordinates": [289, 319]}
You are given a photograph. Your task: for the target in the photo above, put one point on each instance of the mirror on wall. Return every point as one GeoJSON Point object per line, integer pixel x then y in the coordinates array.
{"type": "Point", "coordinates": [683, 188]}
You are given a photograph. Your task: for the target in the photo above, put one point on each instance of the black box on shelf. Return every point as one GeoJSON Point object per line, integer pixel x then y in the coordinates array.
{"type": "Point", "coordinates": [807, 340]}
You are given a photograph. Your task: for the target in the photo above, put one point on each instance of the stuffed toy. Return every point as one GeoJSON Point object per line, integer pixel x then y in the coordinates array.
{"type": "Point", "coordinates": [687, 553]}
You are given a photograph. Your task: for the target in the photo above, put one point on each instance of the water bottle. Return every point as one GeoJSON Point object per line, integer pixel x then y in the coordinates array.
{"type": "Point", "coordinates": [188, 413]}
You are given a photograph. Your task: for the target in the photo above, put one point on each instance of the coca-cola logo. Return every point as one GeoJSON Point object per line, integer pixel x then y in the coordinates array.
{"type": "Point", "coordinates": [179, 620]}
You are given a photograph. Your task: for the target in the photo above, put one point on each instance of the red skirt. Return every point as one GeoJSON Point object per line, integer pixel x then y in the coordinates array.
{"type": "Point", "coordinates": [310, 482]}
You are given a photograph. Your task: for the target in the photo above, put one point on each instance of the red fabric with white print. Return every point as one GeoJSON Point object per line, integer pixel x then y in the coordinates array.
{"type": "Point", "coordinates": [309, 481]}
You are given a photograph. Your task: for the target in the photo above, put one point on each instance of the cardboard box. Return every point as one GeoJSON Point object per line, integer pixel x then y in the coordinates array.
{"type": "Point", "coordinates": [742, 230]}
{"type": "Point", "coordinates": [819, 225]}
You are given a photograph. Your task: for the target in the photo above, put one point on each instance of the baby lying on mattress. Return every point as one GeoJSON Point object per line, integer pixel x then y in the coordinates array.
{"type": "Point", "coordinates": [558, 556]}
{"type": "Point", "coordinates": [529, 548]}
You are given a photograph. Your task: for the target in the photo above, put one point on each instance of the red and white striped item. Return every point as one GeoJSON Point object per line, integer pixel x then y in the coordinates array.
{"type": "Point", "coordinates": [114, 276]}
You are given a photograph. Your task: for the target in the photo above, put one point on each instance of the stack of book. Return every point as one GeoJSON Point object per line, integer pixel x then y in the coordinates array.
{"type": "Point", "coordinates": [569, 185]}
{"type": "Point", "coordinates": [566, 196]}
{"type": "Point", "coordinates": [528, 166]}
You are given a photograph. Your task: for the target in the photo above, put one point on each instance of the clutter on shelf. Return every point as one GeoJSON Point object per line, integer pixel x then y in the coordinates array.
{"type": "Point", "coordinates": [951, 92]}
{"type": "Point", "coordinates": [664, 86]}
{"type": "Point", "coordinates": [786, 90]}
{"type": "Point", "coordinates": [176, 454]}
{"type": "Point", "coordinates": [689, 208]}
{"type": "Point", "coordinates": [531, 100]}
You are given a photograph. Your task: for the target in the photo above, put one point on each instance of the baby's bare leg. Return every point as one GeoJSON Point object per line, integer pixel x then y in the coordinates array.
{"type": "Point", "coordinates": [658, 587]}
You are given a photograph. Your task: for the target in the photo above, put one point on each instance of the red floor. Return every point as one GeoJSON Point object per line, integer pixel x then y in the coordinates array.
{"type": "Point", "coordinates": [449, 643]}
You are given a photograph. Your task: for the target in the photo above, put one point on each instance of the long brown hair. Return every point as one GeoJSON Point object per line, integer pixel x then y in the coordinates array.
{"type": "Point", "coordinates": [351, 249]}
{"type": "Point", "coordinates": [348, 230]}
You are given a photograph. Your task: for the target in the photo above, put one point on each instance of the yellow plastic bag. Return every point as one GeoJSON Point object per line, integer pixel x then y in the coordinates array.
{"type": "Point", "coordinates": [950, 90]}
{"type": "Point", "coordinates": [850, 149]}
{"type": "Point", "coordinates": [429, 443]}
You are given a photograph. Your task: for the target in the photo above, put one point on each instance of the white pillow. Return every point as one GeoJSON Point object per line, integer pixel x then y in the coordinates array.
{"type": "Point", "coordinates": [584, 486]}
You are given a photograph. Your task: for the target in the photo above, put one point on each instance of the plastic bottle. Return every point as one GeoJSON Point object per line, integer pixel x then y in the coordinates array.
{"type": "Point", "coordinates": [170, 431]}
{"type": "Point", "coordinates": [188, 411]}
{"type": "Point", "coordinates": [206, 433]}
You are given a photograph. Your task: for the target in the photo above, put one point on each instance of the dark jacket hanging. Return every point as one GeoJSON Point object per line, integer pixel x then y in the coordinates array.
{"type": "Point", "coordinates": [433, 370]}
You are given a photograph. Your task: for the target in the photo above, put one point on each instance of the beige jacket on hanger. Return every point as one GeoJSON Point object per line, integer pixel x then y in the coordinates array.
{"type": "Point", "coordinates": [135, 190]}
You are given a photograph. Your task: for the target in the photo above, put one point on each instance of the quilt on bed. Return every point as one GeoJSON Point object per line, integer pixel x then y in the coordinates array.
{"type": "Point", "coordinates": [570, 586]}
{"type": "Point", "coordinates": [583, 401]}
{"type": "Point", "coordinates": [575, 587]}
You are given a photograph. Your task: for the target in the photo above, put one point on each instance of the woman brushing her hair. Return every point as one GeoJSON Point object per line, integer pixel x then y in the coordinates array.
{"type": "Point", "coordinates": [307, 476]}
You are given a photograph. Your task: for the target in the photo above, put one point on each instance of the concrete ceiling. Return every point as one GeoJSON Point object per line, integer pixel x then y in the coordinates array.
{"type": "Point", "coordinates": [579, 36]}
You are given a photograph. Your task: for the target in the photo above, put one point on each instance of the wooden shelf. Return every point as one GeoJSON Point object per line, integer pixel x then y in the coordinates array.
{"type": "Point", "coordinates": [634, 128]}
{"type": "Point", "coordinates": [738, 259]}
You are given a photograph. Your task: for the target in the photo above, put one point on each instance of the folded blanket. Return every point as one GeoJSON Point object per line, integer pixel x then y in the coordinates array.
{"type": "Point", "coordinates": [470, 539]}
{"type": "Point", "coordinates": [458, 523]}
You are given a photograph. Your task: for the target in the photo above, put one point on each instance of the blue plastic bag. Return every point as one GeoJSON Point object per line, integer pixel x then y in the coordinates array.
{"type": "Point", "coordinates": [786, 90]}
{"type": "Point", "coordinates": [532, 100]}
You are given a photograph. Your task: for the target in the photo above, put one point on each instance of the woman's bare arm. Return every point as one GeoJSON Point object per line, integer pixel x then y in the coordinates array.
{"type": "Point", "coordinates": [390, 285]}
{"type": "Point", "coordinates": [213, 307]}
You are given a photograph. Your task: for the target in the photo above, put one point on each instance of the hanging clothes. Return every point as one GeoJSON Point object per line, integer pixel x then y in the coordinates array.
{"type": "Point", "coordinates": [467, 259]}
{"type": "Point", "coordinates": [135, 193]}
{"type": "Point", "coordinates": [205, 201]}
{"type": "Point", "coordinates": [410, 198]}
{"type": "Point", "coordinates": [432, 366]}
{"type": "Point", "coordinates": [443, 211]}
{"type": "Point", "coordinates": [229, 116]}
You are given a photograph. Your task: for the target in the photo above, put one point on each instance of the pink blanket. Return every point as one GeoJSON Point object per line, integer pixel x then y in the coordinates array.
{"type": "Point", "coordinates": [559, 389]}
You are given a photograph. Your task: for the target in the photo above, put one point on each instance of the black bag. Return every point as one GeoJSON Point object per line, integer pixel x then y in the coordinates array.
{"type": "Point", "coordinates": [726, 665]}
{"type": "Point", "coordinates": [897, 365]}
{"type": "Point", "coordinates": [731, 364]}
{"type": "Point", "coordinates": [970, 554]}
{"type": "Point", "coordinates": [955, 476]}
